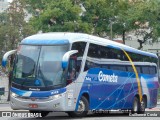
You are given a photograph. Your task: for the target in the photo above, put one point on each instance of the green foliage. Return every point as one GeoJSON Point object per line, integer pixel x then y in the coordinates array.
{"type": "Point", "coordinates": [56, 15]}
{"type": "Point", "coordinates": [64, 15]}
{"type": "Point", "coordinates": [13, 27]}
{"type": "Point", "coordinates": [87, 16]}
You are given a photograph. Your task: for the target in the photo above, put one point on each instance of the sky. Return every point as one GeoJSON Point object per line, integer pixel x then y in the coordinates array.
{"type": "Point", "coordinates": [10, 0]}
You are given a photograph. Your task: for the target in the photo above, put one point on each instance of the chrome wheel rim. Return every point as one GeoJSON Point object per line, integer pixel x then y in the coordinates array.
{"type": "Point", "coordinates": [135, 106]}
{"type": "Point", "coordinates": [81, 106]}
{"type": "Point", "coordinates": [142, 106]}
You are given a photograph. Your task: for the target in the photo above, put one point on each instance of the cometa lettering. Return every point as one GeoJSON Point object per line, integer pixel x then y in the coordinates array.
{"type": "Point", "coordinates": [107, 78]}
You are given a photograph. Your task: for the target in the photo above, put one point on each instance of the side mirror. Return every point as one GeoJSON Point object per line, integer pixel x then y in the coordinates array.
{"type": "Point", "coordinates": [5, 57]}
{"type": "Point", "coordinates": [66, 57]}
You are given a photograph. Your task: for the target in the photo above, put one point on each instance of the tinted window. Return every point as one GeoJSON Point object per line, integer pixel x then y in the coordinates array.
{"type": "Point", "coordinates": [94, 51]}
{"type": "Point", "coordinates": [80, 46]}
{"type": "Point", "coordinates": [138, 68]}
{"type": "Point", "coordinates": [145, 69]}
{"type": "Point", "coordinates": [106, 66]}
{"type": "Point", "coordinates": [152, 70]}
{"type": "Point", "coordinates": [118, 67]}
{"type": "Point", "coordinates": [130, 69]}
{"type": "Point", "coordinates": [140, 58]}
{"type": "Point", "coordinates": [149, 70]}
{"type": "Point", "coordinates": [89, 65]}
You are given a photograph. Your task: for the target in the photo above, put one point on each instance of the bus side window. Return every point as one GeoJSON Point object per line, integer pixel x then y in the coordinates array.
{"type": "Point", "coordinates": [152, 70]}
{"type": "Point", "coordinates": [130, 69]}
{"type": "Point", "coordinates": [118, 67]}
{"type": "Point", "coordinates": [145, 69]}
{"type": "Point", "coordinates": [105, 66]}
{"type": "Point", "coordinates": [138, 68]}
{"type": "Point", "coordinates": [80, 46]}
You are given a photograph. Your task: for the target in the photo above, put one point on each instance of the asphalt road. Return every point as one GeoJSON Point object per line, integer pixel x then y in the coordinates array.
{"type": "Point", "coordinates": [90, 116]}
{"type": "Point", "coordinates": [63, 116]}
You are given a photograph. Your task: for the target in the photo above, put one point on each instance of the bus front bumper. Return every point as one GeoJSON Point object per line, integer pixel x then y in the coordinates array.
{"type": "Point", "coordinates": [34, 104]}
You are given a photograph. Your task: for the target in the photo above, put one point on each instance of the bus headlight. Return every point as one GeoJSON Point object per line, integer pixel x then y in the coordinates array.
{"type": "Point", "coordinates": [56, 96]}
{"type": "Point", "coordinates": [14, 94]}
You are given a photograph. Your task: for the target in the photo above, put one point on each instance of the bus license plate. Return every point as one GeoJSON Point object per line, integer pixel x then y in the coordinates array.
{"type": "Point", "coordinates": [33, 106]}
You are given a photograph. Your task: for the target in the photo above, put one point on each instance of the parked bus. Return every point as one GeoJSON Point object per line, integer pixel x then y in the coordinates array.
{"type": "Point", "coordinates": [75, 73]}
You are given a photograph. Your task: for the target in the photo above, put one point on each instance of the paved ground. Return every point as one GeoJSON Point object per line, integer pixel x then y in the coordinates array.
{"type": "Point", "coordinates": [6, 107]}
{"type": "Point", "coordinates": [90, 116]}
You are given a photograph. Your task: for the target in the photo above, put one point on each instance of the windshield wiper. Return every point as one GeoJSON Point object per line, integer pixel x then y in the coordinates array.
{"type": "Point", "coordinates": [42, 75]}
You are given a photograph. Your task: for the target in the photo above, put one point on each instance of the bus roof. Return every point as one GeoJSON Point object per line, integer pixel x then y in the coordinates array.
{"type": "Point", "coordinates": [66, 38]}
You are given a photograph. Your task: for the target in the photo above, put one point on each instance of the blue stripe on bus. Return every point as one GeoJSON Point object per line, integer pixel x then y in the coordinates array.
{"type": "Point", "coordinates": [37, 93]}
{"type": "Point", "coordinates": [112, 95]}
{"type": "Point", "coordinates": [44, 42]}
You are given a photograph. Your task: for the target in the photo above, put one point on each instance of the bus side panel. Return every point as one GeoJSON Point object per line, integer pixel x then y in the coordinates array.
{"type": "Point", "coordinates": [150, 87]}
{"type": "Point", "coordinates": [110, 89]}
{"type": "Point", "coordinates": [153, 100]}
{"type": "Point", "coordinates": [106, 92]}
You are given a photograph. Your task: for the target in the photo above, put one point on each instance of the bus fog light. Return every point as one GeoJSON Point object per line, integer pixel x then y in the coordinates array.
{"type": "Point", "coordinates": [56, 105]}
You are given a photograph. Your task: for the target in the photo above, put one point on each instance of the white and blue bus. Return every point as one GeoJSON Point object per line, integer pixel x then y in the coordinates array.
{"type": "Point", "coordinates": [75, 73]}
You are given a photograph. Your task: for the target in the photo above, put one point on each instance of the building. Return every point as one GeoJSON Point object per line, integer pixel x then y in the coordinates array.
{"type": "Point", "coordinates": [3, 5]}
{"type": "Point", "coordinates": [131, 39]}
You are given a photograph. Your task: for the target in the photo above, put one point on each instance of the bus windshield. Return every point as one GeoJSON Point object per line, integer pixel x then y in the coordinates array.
{"type": "Point", "coordinates": [39, 66]}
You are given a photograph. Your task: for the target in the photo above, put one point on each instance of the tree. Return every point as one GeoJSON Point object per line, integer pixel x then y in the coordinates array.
{"type": "Point", "coordinates": [101, 17]}
{"type": "Point", "coordinates": [13, 27]}
{"type": "Point", "coordinates": [57, 15]}
{"type": "Point", "coordinates": [3, 31]}
{"type": "Point", "coordinates": [142, 16]}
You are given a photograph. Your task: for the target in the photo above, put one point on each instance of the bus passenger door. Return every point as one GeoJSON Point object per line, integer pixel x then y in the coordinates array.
{"type": "Point", "coordinates": [72, 73]}
{"type": "Point", "coordinates": [71, 85]}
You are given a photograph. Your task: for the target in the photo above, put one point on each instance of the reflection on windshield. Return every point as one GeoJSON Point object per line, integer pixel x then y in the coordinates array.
{"type": "Point", "coordinates": [25, 67]}
{"type": "Point", "coordinates": [26, 61]}
{"type": "Point", "coordinates": [49, 68]}
{"type": "Point", "coordinates": [39, 65]}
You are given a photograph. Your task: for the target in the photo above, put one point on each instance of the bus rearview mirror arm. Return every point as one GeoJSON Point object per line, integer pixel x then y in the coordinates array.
{"type": "Point", "coordinates": [5, 57]}
{"type": "Point", "coordinates": [66, 57]}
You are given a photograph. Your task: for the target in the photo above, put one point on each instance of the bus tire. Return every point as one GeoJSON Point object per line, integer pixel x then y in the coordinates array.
{"type": "Point", "coordinates": [43, 113]}
{"type": "Point", "coordinates": [83, 108]}
{"type": "Point", "coordinates": [136, 105]}
{"type": "Point", "coordinates": [143, 105]}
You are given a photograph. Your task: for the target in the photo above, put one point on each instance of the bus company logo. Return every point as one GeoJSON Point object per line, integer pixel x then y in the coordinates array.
{"type": "Point", "coordinates": [107, 78]}
{"type": "Point", "coordinates": [34, 89]}
{"type": "Point", "coordinates": [88, 79]}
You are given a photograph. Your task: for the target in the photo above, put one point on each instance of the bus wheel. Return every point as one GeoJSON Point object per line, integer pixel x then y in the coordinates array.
{"type": "Point", "coordinates": [43, 113]}
{"type": "Point", "coordinates": [135, 107]}
{"type": "Point", "coordinates": [82, 108]}
{"type": "Point", "coordinates": [143, 105]}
